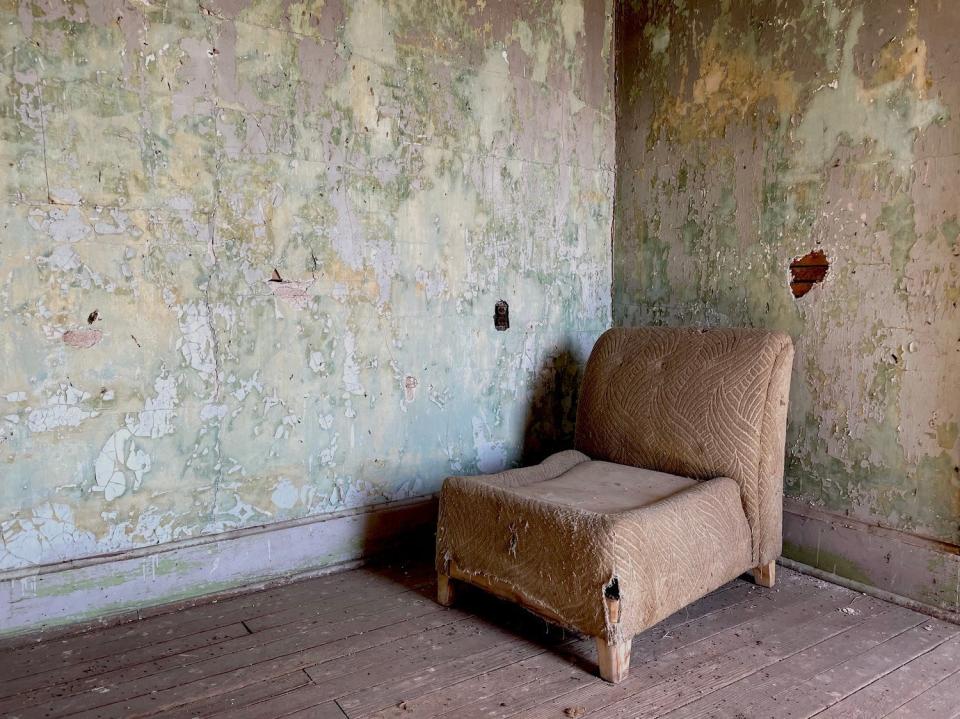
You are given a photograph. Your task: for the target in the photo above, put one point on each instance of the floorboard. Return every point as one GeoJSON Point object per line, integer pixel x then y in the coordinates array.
{"type": "Point", "coordinates": [898, 687]}
{"type": "Point", "coordinates": [942, 700]}
{"type": "Point", "coordinates": [764, 689]}
{"type": "Point", "coordinates": [372, 643]}
{"type": "Point", "coordinates": [848, 675]}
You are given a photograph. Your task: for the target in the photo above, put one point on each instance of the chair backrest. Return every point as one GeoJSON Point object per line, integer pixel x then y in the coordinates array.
{"type": "Point", "coordinates": [700, 403]}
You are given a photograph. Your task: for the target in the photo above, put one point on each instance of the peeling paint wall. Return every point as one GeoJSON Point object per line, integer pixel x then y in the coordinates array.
{"type": "Point", "coordinates": [250, 253]}
{"type": "Point", "coordinates": [753, 133]}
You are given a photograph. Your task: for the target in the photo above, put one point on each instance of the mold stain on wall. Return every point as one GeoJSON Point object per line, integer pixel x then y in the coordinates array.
{"type": "Point", "coordinates": [250, 251]}
{"type": "Point", "coordinates": [751, 134]}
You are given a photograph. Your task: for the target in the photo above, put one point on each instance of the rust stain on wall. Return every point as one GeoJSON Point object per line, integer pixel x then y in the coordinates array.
{"type": "Point", "coordinates": [82, 339]}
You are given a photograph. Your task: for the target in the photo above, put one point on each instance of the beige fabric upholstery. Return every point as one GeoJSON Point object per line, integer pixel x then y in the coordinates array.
{"type": "Point", "coordinates": [697, 403]}
{"type": "Point", "coordinates": [674, 488]}
{"type": "Point", "coordinates": [607, 487]}
{"type": "Point", "coordinates": [562, 552]}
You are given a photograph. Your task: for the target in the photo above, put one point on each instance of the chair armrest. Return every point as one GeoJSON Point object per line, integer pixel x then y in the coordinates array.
{"type": "Point", "coordinates": [550, 468]}
{"type": "Point", "coordinates": [527, 548]}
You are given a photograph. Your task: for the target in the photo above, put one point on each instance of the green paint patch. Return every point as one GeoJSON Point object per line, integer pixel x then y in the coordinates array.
{"type": "Point", "coordinates": [947, 435]}
{"type": "Point", "coordinates": [897, 221]}
{"type": "Point", "coordinates": [164, 566]}
{"type": "Point", "coordinates": [951, 229]}
{"type": "Point", "coordinates": [826, 561]}
{"type": "Point", "coordinates": [47, 587]}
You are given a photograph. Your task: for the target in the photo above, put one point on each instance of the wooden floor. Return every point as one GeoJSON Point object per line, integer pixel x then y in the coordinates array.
{"type": "Point", "coordinates": [372, 643]}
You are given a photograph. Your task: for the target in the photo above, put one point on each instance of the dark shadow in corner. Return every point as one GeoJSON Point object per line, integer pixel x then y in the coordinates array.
{"type": "Point", "coordinates": [552, 413]}
{"type": "Point", "coordinates": [408, 567]}
{"type": "Point", "coordinates": [548, 428]}
{"type": "Point", "coordinates": [412, 581]}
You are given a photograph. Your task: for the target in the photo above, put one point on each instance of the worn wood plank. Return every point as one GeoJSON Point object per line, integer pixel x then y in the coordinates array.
{"type": "Point", "coordinates": [792, 676]}
{"type": "Point", "coordinates": [455, 697]}
{"type": "Point", "coordinates": [306, 697]}
{"type": "Point", "coordinates": [64, 679]}
{"type": "Point", "coordinates": [698, 676]}
{"type": "Point", "coordinates": [898, 687]}
{"type": "Point", "coordinates": [511, 636]}
{"type": "Point", "coordinates": [378, 590]}
{"type": "Point", "coordinates": [269, 643]}
{"type": "Point", "coordinates": [71, 647]}
{"type": "Point", "coordinates": [845, 677]}
{"type": "Point", "coordinates": [389, 695]}
{"type": "Point", "coordinates": [423, 632]}
{"type": "Point", "coordinates": [356, 667]}
{"type": "Point", "coordinates": [245, 696]}
{"type": "Point", "coordinates": [942, 701]}
{"type": "Point", "coordinates": [346, 680]}
{"type": "Point", "coordinates": [693, 624]}
{"type": "Point", "coordinates": [330, 710]}
{"type": "Point", "coordinates": [783, 613]}
{"type": "Point", "coordinates": [433, 679]}
{"type": "Point", "coordinates": [467, 676]}
{"type": "Point", "coordinates": [118, 639]}
{"type": "Point", "coordinates": [287, 654]}
{"type": "Point", "coordinates": [398, 660]}
{"type": "Point", "coordinates": [525, 696]}
{"type": "Point", "coordinates": [380, 647]}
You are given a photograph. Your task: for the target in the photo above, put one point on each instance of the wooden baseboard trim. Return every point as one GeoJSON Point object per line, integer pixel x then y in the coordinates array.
{"type": "Point", "coordinates": [180, 544]}
{"type": "Point", "coordinates": [900, 567]}
{"type": "Point", "coordinates": [75, 596]}
{"type": "Point", "coordinates": [929, 609]}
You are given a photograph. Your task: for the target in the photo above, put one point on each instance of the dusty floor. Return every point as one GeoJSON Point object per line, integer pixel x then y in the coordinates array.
{"type": "Point", "coordinates": [372, 642]}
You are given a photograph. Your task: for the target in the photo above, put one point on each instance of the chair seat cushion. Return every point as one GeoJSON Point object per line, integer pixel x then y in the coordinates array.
{"type": "Point", "coordinates": [606, 487]}
{"type": "Point", "coordinates": [563, 534]}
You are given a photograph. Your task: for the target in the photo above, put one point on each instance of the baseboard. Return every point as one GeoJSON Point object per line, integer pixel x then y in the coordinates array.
{"type": "Point", "coordinates": [911, 570]}
{"type": "Point", "coordinates": [96, 591]}
{"type": "Point", "coordinates": [953, 617]}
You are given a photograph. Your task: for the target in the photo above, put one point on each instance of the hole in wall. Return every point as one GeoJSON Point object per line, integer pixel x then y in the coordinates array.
{"type": "Point", "coordinates": [807, 271]}
{"type": "Point", "coordinates": [501, 316]}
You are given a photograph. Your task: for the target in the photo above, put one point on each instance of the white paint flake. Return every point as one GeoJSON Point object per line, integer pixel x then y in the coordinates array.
{"type": "Point", "coordinates": [62, 410]}
{"type": "Point", "coordinates": [196, 343]}
{"type": "Point", "coordinates": [351, 370]}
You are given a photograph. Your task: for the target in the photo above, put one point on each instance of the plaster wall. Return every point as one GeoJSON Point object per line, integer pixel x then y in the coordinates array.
{"type": "Point", "coordinates": [250, 252]}
{"type": "Point", "coordinates": [750, 134]}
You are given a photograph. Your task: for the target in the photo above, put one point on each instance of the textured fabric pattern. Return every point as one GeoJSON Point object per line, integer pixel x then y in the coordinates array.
{"type": "Point", "coordinates": [699, 403]}
{"type": "Point", "coordinates": [558, 558]}
{"type": "Point", "coordinates": [561, 558]}
{"type": "Point", "coordinates": [607, 487]}
{"type": "Point", "coordinates": [695, 404]}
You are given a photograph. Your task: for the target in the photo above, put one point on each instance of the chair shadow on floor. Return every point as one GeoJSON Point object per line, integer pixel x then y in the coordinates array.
{"type": "Point", "coordinates": [548, 428]}
{"type": "Point", "coordinates": [512, 624]}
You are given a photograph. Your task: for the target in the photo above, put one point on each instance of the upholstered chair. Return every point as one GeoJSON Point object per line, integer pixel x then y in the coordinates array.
{"type": "Point", "coordinates": [673, 487]}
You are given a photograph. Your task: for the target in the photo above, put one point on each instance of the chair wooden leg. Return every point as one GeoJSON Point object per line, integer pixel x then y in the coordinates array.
{"type": "Point", "coordinates": [446, 590]}
{"type": "Point", "coordinates": [766, 574]}
{"type": "Point", "coordinates": [614, 660]}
